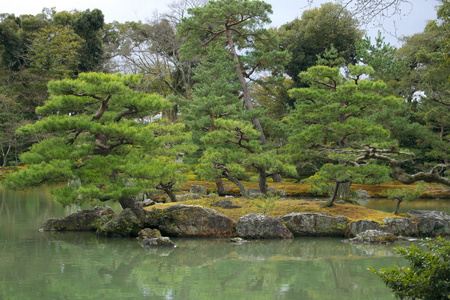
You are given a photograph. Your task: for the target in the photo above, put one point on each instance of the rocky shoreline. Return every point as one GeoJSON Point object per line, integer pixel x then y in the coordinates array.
{"type": "Point", "coordinates": [196, 221]}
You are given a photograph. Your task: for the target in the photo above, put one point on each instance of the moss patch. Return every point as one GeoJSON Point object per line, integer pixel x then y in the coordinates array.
{"type": "Point", "coordinates": [302, 190]}
{"type": "Point", "coordinates": [286, 206]}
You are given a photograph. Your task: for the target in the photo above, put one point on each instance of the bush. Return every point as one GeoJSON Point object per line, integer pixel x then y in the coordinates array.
{"type": "Point", "coordinates": [428, 277]}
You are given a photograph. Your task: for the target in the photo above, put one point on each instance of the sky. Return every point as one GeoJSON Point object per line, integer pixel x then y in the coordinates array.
{"type": "Point", "coordinates": [412, 18]}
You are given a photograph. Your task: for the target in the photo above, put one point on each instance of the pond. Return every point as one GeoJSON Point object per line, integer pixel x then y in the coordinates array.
{"type": "Point", "coordinates": [55, 265]}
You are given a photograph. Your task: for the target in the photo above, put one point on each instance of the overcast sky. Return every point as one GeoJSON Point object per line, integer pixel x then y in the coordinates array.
{"type": "Point", "coordinates": [412, 19]}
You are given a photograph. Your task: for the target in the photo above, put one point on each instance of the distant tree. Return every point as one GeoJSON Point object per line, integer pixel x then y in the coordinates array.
{"type": "Point", "coordinates": [311, 35]}
{"type": "Point", "coordinates": [88, 25]}
{"type": "Point", "coordinates": [383, 58]}
{"type": "Point", "coordinates": [402, 195]}
{"type": "Point", "coordinates": [95, 142]}
{"type": "Point", "coordinates": [10, 120]}
{"type": "Point", "coordinates": [54, 51]}
{"type": "Point", "coordinates": [153, 49]}
{"type": "Point", "coordinates": [334, 118]}
{"type": "Point", "coordinates": [425, 86]}
{"type": "Point", "coordinates": [235, 148]}
{"type": "Point", "coordinates": [214, 96]}
{"type": "Point", "coordinates": [237, 26]}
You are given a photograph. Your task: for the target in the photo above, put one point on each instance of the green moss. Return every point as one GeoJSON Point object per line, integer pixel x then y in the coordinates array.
{"type": "Point", "coordinates": [285, 206]}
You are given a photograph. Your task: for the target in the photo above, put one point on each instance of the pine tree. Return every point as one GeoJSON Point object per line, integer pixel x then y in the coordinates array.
{"type": "Point", "coordinates": [95, 141]}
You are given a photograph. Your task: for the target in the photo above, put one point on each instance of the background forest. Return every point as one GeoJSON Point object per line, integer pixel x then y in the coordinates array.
{"type": "Point", "coordinates": [110, 108]}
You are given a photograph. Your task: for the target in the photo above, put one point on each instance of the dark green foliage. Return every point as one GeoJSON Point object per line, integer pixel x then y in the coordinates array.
{"type": "Point", "coordinates": [334, 119]}
{"type": "Point", "coordinates": [316, 31]}
{"type": "Point", "coordinates": [88, 25]}
{"type": "Point", "coordinates": [382, 57]}
{"type": "Point", "coordinates": [428, 276]}
{"type": "Point", "coordinates": [95, 143]}
{"type": "Point", "coordinates": [11, 43]}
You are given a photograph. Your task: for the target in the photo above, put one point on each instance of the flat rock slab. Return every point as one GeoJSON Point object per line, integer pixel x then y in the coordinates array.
{"type": "Point", "coordinates": [373, 237]}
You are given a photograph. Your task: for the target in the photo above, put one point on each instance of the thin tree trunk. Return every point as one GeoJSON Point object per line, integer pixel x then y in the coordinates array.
{"type": "Point", "coordinates": [171, 195]}
{"type": "Point", "coordinates": [5, 155]}
{"type": "Point", "coordinates": [335, 193]}
{"type": "Point", "coordinates": [262, 181]}
{"type": "Point", "coordinates": [220, 187]}
{"type": "Point", "coordinates": [344, 190]}
{"type": "Point", "coordinates": [238, 184]}
{"type": "Point", "coordinates": [243, 82]}
{"type": "Point", "coordinates": [399, 201]}
{"type": "Point", "coordinates": [129, 202]}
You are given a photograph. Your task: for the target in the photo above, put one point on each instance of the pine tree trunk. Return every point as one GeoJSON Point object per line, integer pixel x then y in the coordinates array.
{"type": "Point", "coordinates": [238, 184]}
{"type": "Point", "coordinates": [262, 181]}
{"type": "Point", "coordinates": [129, 202]}
{"type": "Point", "coordinates": [246, 94]}
{"type": "Point", "coordinates": [344, 190]}
{"type": "Point", "coordinates": [334, 196]}
{"type": "Point", "coordinates": [220, 187]}
{"type": "Point", "coordinates": [399, 201]}
{"type": "Point", "coordinates": [171, 195]}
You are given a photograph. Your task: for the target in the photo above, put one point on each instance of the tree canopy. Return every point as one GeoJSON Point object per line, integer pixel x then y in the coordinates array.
{"type": "Point", "coordinates": [94, 141]}
{"type": "Point", "coordinates": [239, 99]}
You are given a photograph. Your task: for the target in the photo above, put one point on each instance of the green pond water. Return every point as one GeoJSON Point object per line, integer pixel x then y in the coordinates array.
{"type": "Point", "coordinates": [56, 265]}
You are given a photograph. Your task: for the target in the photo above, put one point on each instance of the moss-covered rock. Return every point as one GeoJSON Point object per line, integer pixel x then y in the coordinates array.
{"type": "Point", "coordinates": [315, 224]}
{"type": "Point", "coordinates": [85, 220]}
{"type": "Point", "coordinates": [374, 237]}
{"type": "Point", "coordinates": [401, 226]}
{"type": "Point", "coordinates": [260, 226]}
{"type": "Point", "coordinates": [431, 223]}
{"type": "Point", "coordinates": [360, 226]}
{"type": "Point", "coordinates": [158, 242]}
{"type": "Point", "coordinates": [191, 221]}
{"type": "Point", "coordinates": [122, 225]}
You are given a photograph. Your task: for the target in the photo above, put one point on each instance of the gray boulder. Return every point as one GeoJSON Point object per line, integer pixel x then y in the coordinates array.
{"type": "Point", "coordinates": [237, 240]}
{"type": "Point", "coordinates": [315, 224]}
{"type": "Point", "coordinates": [361, 226]}
{"type": "Point", "coordinates": [401, 226]}
{"type": "Point", "coordinates": [122, 225]}
{"type": "Point", "coordinates": [363, 194]}
{"type": "Point", "coordinates": [259, 226]}
{"type": "Point", "coordinates": [253, 193]}
{"type": "Point", "coordinates": [191, 220]}
{"type": "Point", "coordinates": [158, 242]}
{"type": "Point", "coordinates": [189, 196]}
{"type": "Point", "coordinates": [272, 191]}
{"type": "Point", "coordinates": [225, 204]}
{"type": "Point", "coordinates": [431, 223]}
{"type": "Point", "coordinates": [198, 189]}
{"type": "Point", "coordinates": [146, 202]}
{"type": "Point", "coordinates": [373, 237]}
{"type": "Point", "coordinates": [148, 233]}
{"type": "Point", "coordinates": [85, 220]}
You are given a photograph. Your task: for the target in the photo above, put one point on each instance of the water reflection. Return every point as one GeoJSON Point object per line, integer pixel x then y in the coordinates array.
{"type": "Point", "coordinates": [82, 266]}
{"type": "Point", "coordinates": [55, 265]}
{"type": "Point", "coordinates": [418, 204]}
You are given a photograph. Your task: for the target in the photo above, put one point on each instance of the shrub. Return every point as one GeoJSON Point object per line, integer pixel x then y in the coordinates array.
{"type": "Point", "coordinates": [428, 277]}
